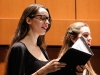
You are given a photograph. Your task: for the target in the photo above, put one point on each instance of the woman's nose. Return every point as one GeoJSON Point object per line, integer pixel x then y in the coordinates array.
{"type": "Point", "coordinates": [89, 38]}
{"type": "Point", "coordinates": [47, 21]}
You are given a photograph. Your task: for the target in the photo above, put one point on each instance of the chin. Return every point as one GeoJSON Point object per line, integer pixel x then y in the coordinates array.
{"type": "Point", "coordinates": [89, 45]}
{"type": "Point", "coordinates": [42, 34]}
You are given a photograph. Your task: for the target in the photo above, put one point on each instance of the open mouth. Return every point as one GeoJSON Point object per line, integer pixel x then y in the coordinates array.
{"type": "Point", "coordinates": [89, 44]}
{"type": "Point", "coordinates": [45, 28]}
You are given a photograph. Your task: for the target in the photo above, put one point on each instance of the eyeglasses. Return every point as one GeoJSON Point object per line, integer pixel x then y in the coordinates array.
{"type": "Point", "coordinates": [41, 17]}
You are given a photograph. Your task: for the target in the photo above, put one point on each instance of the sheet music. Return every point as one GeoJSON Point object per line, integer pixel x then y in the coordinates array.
{"type": "Point", "coordinates": [79, 45]}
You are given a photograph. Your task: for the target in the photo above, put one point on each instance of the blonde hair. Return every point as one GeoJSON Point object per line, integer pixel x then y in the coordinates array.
{"type": "Point", "coordinates": [74, 30]}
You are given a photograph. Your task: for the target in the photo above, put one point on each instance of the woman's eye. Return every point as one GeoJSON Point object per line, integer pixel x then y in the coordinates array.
{"type": "Point", "coordinates": [40, 17]}
{"type": "Point", "coordinates": [85, 35]}
{"type": "Point", "coordinates": [43, 18]}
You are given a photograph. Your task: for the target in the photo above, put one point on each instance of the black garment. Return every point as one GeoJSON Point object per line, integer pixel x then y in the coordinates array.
{"type": "Point", "coordinates": [22, 62]}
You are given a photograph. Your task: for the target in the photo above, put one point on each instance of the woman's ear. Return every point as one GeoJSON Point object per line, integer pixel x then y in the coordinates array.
{"type": "Point", "coordinates": [73, 39]}
{"type": "Point", "coordinates": [28, 20]}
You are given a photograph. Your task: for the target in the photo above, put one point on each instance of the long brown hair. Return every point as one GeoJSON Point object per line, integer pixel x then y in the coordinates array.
{"type": "Point", "coordinates": [74, 30]}
{"type": "Point", "coordinates": [23, 29]}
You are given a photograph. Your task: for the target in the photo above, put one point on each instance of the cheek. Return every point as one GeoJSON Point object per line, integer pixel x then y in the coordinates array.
{"type": "Point", "coordinates": [35, 24]}
{"type": "Point", "coordinates": [74, 40]}
{"type": "Point", "coordinates": [85, 39]}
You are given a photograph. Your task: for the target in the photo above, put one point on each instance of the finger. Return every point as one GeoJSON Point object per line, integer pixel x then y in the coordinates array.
{"type": "Point", "coordinates": [60, 66]}
{"type": "Point", "coordinates": [78, 73]}
{"type": "Point", "coordinates": [79, 69]}
{"type": "Point", "coordinates": [57, 67]}
{"type": "Point", "coordinates": [53, 61]}
{"type": "Point", "coordinates": [82, 66]}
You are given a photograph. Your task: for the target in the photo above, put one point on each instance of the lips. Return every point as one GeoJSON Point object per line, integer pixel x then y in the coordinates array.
{"type": "Point", "coordinates": [45, 28]}
{"type": "Point", "coordinates": [89, 44]}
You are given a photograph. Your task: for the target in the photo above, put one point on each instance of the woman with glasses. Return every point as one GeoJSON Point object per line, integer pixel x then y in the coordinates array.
{"type": "Point", "coordinates": [27, 54]}
{"type": "Point", "coordinates": [75, 31]}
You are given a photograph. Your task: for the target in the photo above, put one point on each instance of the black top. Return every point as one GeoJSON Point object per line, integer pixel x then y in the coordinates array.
{"type": "Point", "coordinates": [22, 62]}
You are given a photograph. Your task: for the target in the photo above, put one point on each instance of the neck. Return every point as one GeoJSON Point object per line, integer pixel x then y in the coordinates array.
{"type": "Point", "coordinates": [30, 39]}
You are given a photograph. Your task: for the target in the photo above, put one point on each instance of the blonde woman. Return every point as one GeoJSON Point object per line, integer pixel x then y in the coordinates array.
{"type": "Point", "coordinates": [75, 31]}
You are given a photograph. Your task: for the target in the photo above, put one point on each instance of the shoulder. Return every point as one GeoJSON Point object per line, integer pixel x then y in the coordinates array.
{"type": "Point", "coordinates": [19, 44]}
{"type": "Point", "coordinates": [18, 47]}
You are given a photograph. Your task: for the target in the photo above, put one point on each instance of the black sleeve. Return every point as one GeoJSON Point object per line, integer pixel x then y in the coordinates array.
{"type": "Point", "coordinates": [16, 61]}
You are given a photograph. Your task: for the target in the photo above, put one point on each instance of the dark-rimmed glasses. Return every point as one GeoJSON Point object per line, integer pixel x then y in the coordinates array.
{"type": "Point", "coordinates": [41, 17]}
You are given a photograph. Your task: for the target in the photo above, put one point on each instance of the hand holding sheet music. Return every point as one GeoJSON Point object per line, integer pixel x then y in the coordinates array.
{"type": "Point", "coordinates": [78, 54]}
